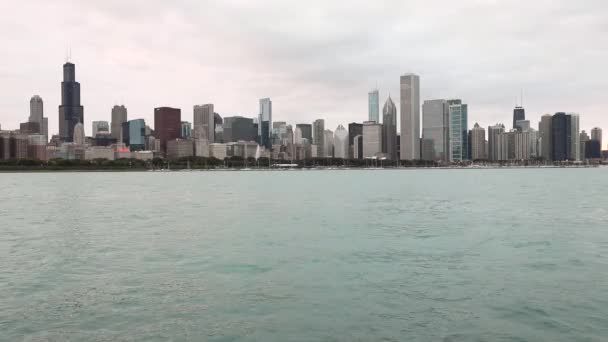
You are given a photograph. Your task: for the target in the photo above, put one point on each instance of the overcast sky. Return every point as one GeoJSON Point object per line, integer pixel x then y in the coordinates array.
{"type": "Point", "coordinates": [314, 59]}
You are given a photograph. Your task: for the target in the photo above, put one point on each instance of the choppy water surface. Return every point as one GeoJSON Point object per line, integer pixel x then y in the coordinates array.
{"type": "Point", "coordinates": [424, 255]}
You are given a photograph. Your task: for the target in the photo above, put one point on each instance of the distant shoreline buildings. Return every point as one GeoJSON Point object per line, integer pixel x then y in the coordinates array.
{"type": "Point", "coordinates": [436, 130]}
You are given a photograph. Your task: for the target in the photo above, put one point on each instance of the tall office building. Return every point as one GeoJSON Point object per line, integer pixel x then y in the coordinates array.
{"type": "Point", "coordinates": [186, 130]}
{"type": "Point", "coordinates": [70, 110]}
{"type": "Point", "coordinates": [545, 134]}
{"type": "Point", "coordinates": [435, 130]}
{"type": "Point", "coordinates": [328, 141]}
{"type": "Point", "coordinates": [37, 115]}
{"type": "Point", "coordinates": [560, 136]}
{"type": "Point", "coordinates": [100, 127]}
{"type": "Point", "coordinates": [584, 138]}
{"type": "Point", "coordinates": [478, 143]}
{"type": "Point", "coordinates": [318, 131]}
{"type": "Point", "coordinates": [265, 123]}
{"type": "Point", "coordinates": [354, 129]}
{"type": "Point", "coordinates": [522, 125]}
{"type": "Point", "coordinates": [494, 141]}
{"type": "Point", "coordinates": [373, 105]}
{"type": "Point", "coordinates": [119, 116]}
{"type": "Point", "coordinates": [574, 152]}
{"type": "Point", "coordinates": [372, 139]}
{"type": "Point", "coordinates": [237, 128]}
{"type": "Point", "coordinates": [358, 147]}
{"type": "Point", "coordinates": [306, 130]}
{"type": "Point", "coordinates": [596, 135]}
{"type": "Point", "coordinates": [137, 134]}
{"type": "Point", "coordinates": [459, 142]}
{"type": "Point", "coordinates": [410, 117]}
{"type": "Point", "coordinates": [341, 143]}
{"type": "Point", "coordinates": [389, 130]}
{"type": "Point", "coordinates": [167, 125]}
{"type": "Point", "coordinates": [519, 113]}
{"type": "Point", "coordinates": [204, 123]}
{"type": "Point", "coordinates": [79, 136]}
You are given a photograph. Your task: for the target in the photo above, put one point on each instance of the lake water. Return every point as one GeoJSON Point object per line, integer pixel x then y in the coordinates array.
{"type": "Point", "coordinates": [419, 255]}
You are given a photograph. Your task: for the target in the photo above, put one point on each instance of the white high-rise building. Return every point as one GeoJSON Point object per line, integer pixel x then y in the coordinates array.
{"type": "Point", "coordinates": [410, 117]}
{"type": "Point", "coordinates": [372, 139]}
{"type": "Point", "coordinates": [494, 141]}
{"type": "Point", "coordinates": [341, 143]}
{"type": "Point", "coordinates": [79, 134]}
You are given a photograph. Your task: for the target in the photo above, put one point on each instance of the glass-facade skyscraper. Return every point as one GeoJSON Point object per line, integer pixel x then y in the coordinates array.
{"type": "Point", "coordinates": [374, 106]}
{"type": "Point", "coordinates": [459, 140]}
{"type": "Point", "coordinates": [70, 111]}
{"type": "Point", "coordinates": [265, 123]}
{"type": "Point", "coordinates": [435, 130]}
{"type": "Point", "coordinates": [519, 114]}
{"type": "Point", "coordinates": [389, 130]}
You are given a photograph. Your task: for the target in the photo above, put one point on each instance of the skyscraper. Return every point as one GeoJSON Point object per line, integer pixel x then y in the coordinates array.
{"type": "Point", "coordinates": [37, 115]}
{"type": "Point", "coordinates": [410, 117]}
{"type": "Point", "coordinates": [167, 125]}
{"type": "Point", "coordinates": [119, 116]}
{"type": "Point", "coordinates": [389, 130]}
{"type": "Point", "coordinates": [374, 105]}
{"type": "Point", "coordinates": [70, 110]}
{"type": "Point", "coordinates": [435, 130]}
{"type": "Point", "coordinates": [574, 151]}
{"type": "Point", "coordinates": [100, 126]}
{"type": "Point", "coordinates": [328, 142]}
{"type": "Point", "coordinates": [372, 139]}
{"type": "Point", "coordinates": [186, 130]}
{"type": "Point", "coordinates": [596, 135]}
{"type": "Point", "coordinates": [545, 132]}
{"type": "Point", "coordinates": [354, 129]}
{"type": "Point", "coordinates": [204, 123]}
{"type": "Point", "coordinates": [306, 130]}
{"type": "Point", "coordinates": [341, 143]}
{"type": "Point", "coordinates": [519, 113]}
{"type": "Point", "coordinates": [459, 142]}
{"type": "Point", "coordinates": [137, 134]}
{"type": "Point", "coordinates": [318, 132]}
{"type": "Point", "coordinates": [238, 128]}
{"type": "Point", "coordinates": [78, 134]}
{"type": "Point", "coordinates": [265, 123]}
{"type": "Point", "coordinates": [478, 143]}
{"type": "Point", "coordinates": [560, 137]}
{"type": "Point", "coordinates": [584, 138]}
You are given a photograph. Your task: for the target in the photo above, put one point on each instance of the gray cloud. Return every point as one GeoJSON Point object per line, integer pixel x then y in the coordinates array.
{"type": "Point", "coordinates": [314, 59]}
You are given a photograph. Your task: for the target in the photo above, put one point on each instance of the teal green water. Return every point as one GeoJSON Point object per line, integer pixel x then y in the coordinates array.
{"type": "Point", "coordinates": [420, 255]}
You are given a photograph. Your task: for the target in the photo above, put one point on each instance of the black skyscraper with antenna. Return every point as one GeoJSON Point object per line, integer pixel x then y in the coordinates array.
{"type": "Point", "coordinates": [70, 110]}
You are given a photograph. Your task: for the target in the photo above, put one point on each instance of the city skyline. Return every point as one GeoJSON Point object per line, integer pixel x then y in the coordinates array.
{"type": "Point", "coordinates": [132, 70]}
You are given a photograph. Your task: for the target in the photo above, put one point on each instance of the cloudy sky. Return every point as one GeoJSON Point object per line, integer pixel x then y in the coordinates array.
{"type": "Point", "coordinates": [315, 59]}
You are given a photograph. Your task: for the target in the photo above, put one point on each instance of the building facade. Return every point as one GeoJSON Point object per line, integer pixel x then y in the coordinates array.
{"type": "Point", "coordinates": [341, 148]}
{"type": "Point", "coordinates": [372, 139]}
{"type": "Point", "coordinates": [459, 142]}
{"type": "Point", "coordinates": [389, 130]}
{"type": "Point", "coordinates": [71, 112]}
{"type": "Point", "coordinates": [265, 123]}
{"type": "Point", "coordinates": [119, 116]}
{"type": "Point", "coordinates": [319, 137]}
{"type": "Point", "coordinates": [435, 130]}
{"type": "Point", "coordinates": [478, 143]}
{"type": "Point", "coordinates": [410, 117]}
{"type": "Point", "coordinates": [373, 104]}
{"type": "Point", "coordinates": [167, 125]}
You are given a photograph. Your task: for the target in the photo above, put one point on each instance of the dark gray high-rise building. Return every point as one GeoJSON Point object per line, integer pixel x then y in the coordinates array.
{"type": "Point", "coordinates": [389, 130]}
{"type": "Point", "coordinates": [519, 113]}
{"type": "Point", "coordinates": [560, 132]}
{"type": "Point", "coordinates": [545, 132]}
{"type": "Point", "coordinates": [306, 130]}
{"type": "Point", "coordinates": [238, 128]}
{"type": "Point", "coordinates": [354, 129]}
{"type": "Point", "coordinates": [70, 111]}
{"type": "Point", "coordinates": [319, 137]}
